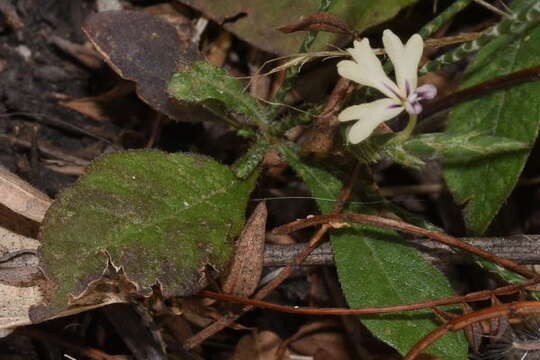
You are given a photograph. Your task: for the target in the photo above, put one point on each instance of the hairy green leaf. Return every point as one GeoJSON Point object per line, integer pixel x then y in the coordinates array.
{"type": "Point", "coordinates": [204, 82]}
{"type": "Point", "coordinates": [376, 268]}
{"type": "Point", "coordinates": [247, 164]}
{"type": "Point", "coordinates": [514, 114]}
{"type": "Point", "coordinates": [452, 148]}
{"type": "Point", "coordinates": [160, 216]}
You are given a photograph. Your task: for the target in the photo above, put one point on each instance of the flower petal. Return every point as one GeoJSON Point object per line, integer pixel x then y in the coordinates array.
{"type": "Point", "coordinates": [366, 69]}
{"type": "Point", "coordinates": [404, 58]}
{"type": "Point", "coordinates": [413, 107]}
{"type": "Point", "coordinates": [426, 91]}
{"type": "Point", "coordinates": [369, 116]}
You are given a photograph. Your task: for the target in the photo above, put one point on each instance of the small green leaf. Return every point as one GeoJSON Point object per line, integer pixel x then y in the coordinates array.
{"type": "Point", "coordinates": [377, 268]}
{"type": "Point", "coordinates": [204, 82]}
{"type": "Point", "coordinates": [247, 164]}
{"type": "Point", "coordinates": [160, 216]}
{"type": "Point", "coordinates": [513, 114]}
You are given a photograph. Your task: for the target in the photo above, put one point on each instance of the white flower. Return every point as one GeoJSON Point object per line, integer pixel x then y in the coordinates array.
{"type": "Point", "coordinates": [366, 69]}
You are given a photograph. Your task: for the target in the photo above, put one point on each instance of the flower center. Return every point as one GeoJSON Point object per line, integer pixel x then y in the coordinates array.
{"type": "Point", "coordinates": [412, 103]}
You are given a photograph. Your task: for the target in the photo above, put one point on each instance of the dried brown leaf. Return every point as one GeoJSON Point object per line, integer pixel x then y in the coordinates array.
{"type": "Point", "coordinates": [473, 332]}
{"type": "Point", "coordinates": [332, 342]}
{"type": "Point", "coordinates": [145, 49]}
{"type": "Point", "coordinates": [100, 107]}
{"type": "Point", "coordinates": [89, 107]}
{"type": "Point", "coordinates": [247, 264]}
{"type": "Point", "coordinates": [21, 197]}
{"type": "Point", "coordinates": [260, 345]}
{"type": "Point", "coordinates": [111, 287]}
{"type": "Point", "coordinates": [11, 16]}
{"type": "Point", "coordinates": [322, 21]}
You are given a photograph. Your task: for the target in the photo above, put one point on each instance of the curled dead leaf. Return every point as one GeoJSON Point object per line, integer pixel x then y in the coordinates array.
{"type": "Point", "coordinates": [145, 49]}
{"type": "Point", "coordinates": [321, 21]}
{"type": "Point", "coordinates": [247, 264]}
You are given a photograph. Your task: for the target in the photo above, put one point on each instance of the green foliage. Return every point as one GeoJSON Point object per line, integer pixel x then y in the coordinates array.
{"type": "Point", "coordinates": [525, 14]}
{"type": "Point", "coordinates": [512, 114]}
{"type": "Point", "coordinates": [247, 164]}
{"type": "Point", "coordinates": [507, 275]}
{"type": "Point", "coordinates": [376, 268]}
{"type": "Point", "coordinates": [430, 28]}
{"type": "Point", "coordinates": [160, 216]}
{"type": "Point", "coordinates": [452, 148]}
{"type": "Point", "coordinates": [204, 82]}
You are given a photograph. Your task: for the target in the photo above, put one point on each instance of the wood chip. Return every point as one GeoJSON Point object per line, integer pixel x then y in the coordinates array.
{"type": "Point", "coordinates": [21, 197]}
{"type": "Point", "coordinates": [17, 295]}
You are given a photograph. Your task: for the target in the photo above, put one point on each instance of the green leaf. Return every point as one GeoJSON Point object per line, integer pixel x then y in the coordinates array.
{"type": "Point", "coordinates": [247, 164]}
{"type": "Point", "coordinates": [204, 82]}
{"type": "Point", "coordinates": [376, 268]}
{"type": "Point", "coordinates": [513, 114]}
{"type": "Point", "coordinates": [452, 148]}
{"type": "Point", "coordinates": [507, 275]}
{"type": "Point", "coordinates": [160, 216]}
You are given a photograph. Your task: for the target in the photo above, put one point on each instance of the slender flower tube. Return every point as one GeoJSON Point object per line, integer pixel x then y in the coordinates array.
{"type": "Point", "coordinates": [366, 69]}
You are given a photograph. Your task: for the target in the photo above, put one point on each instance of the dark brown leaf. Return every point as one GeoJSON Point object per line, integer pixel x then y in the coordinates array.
{"type": "Point", "coordinates": [147, 50]}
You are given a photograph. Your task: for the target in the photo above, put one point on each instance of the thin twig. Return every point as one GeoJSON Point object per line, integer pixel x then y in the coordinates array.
{"type": "Point", "coordinates": [487, 87]}
{"type": "Point", "coordinates": [493, 8]}
{"type": "Point", "coordinates": [476, 296]}
{"type": "Point", "coordinates": [497, 311]}
{"type": "Point", "coordinates": [523, 248]}
{"type": "Point", "coordinates": [45, 149]}
{"type": "Point", "coordinates": [58, 123]}
{"type": "Point", "coordinates": [402, 226]}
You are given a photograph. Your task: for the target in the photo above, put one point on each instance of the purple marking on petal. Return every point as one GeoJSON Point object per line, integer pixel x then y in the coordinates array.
{"type": "Point", "coordinates": [407, 88]}
{"type": "Point", "coordinates": [394, 106]}
{"type": "Point", "coordinates": [392, 91]}
{"type": "Point", "coordinates": [427, 91]}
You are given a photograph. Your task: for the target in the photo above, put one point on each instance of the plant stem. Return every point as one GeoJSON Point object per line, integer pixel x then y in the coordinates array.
{"type": "Point", "coordinates": [434, 25]}
{"type": "Point", "coordinates": [293, 71]}
{"type": "Point", "coordinates": [407, 132]}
